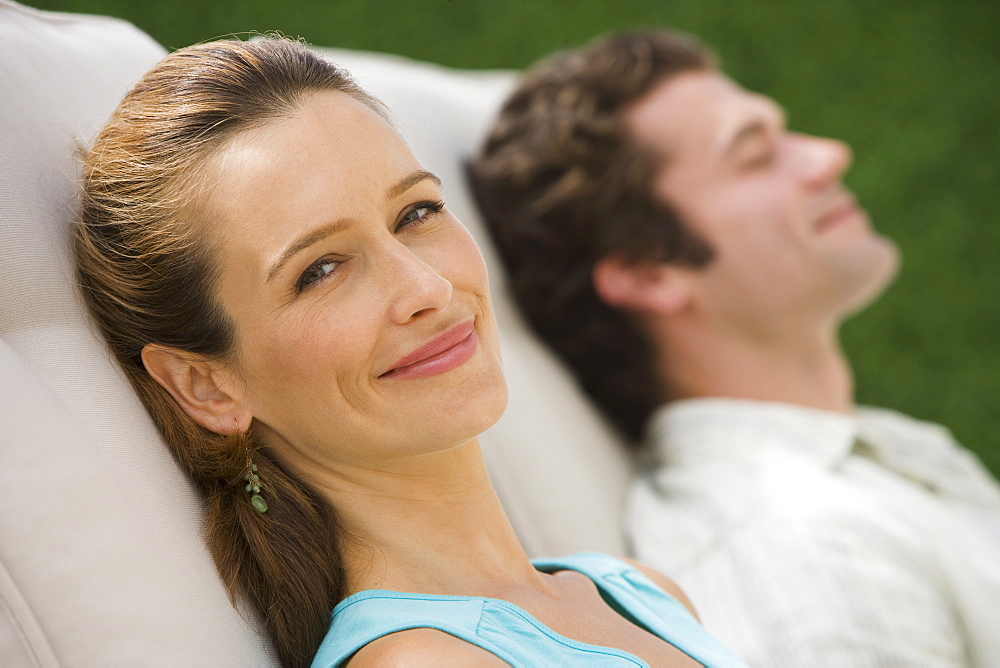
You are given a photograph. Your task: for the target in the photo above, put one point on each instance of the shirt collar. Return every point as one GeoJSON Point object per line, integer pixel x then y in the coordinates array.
{"type": "Point", "coordinates": [701, 431]}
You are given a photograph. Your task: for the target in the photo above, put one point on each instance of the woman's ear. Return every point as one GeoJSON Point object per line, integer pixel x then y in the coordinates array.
{"type": "Point", "coordinates": [197, 385]}
{"type": "Point", "coordinates": [644, 288]}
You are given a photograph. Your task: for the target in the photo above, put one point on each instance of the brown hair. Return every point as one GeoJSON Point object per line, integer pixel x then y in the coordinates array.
{"type": "Point", "coordinates": [148, 275]}
{"type": "Point", "coordinates": [561, 185]}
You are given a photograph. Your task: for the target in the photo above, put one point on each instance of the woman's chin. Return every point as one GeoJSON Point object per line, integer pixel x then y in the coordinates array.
{"type": "Point", "coordinates": [478, 405]}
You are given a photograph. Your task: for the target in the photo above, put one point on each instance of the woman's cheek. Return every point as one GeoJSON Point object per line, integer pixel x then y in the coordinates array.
{"type": "Point", "coordinates": [469, 266]}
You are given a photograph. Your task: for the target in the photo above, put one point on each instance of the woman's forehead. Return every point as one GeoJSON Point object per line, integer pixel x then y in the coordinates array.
{"type": "Point", "coordinates": [333, 151]}
{"type": "Point", "coordinates": [326, 126]}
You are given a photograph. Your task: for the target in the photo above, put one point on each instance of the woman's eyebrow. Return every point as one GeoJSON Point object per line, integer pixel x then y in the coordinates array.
{"type": "Point", "coordinates": [409, 181]}
{"type": "Point", "coordinates": [320, 233]}
{"type": "Point", "coordinates": [304, 242]}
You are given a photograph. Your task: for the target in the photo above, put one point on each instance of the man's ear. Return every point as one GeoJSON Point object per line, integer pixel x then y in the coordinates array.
{"type": "Point", "coordinates": [652, 288]}
{"type": "Point", "coordinates": [202, 388]}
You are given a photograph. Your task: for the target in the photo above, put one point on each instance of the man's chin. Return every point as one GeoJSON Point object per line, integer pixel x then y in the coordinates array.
{"type": "Point", "coordinates": [872, 271]}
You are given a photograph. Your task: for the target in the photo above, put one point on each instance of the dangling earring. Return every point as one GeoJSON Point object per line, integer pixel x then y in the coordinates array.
{"type": "Point", "coordinates": [253, 480]}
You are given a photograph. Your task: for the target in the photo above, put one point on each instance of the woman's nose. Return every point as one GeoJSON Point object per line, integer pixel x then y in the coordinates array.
{"type": "Point", "coordinates": [823, 160]}
{"type": "Point", "coordinates": [417, 287]}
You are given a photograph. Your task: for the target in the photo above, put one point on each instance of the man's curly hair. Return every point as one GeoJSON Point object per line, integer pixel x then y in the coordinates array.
{"type": "Point", "coordinates": [562, 185]}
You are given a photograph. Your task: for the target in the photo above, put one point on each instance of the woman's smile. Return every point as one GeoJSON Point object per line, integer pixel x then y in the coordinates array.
{"type": "Point", "coordinates": [450, 350]}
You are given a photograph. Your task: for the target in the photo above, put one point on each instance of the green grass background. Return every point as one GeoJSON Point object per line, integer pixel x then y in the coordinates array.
{"type": "Point", "coordinates": [912, 85]}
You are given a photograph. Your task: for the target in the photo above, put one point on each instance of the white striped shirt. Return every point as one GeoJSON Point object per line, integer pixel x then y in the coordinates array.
{"type": "Point", "coordinates": [810, 538]}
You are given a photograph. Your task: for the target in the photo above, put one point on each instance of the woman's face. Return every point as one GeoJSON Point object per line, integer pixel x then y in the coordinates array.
{"type": "Point", "coordinates": [363, 324]}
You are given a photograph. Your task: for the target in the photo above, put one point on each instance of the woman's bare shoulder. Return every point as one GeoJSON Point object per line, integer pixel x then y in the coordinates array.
{"type": "Point", "coordinates": [422, 648]}
{"type": "Point", "coordinates": [664, 583]}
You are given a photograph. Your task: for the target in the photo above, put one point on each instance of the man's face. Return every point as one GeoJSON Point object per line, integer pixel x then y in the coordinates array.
{"type": "Point", "coordinates": [792, 248]}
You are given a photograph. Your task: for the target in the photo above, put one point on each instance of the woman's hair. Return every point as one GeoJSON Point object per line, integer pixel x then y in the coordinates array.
{"type": "Point", "coordinates": [148, 271]}
{"type": "Point", "coordinates": [561, 185]}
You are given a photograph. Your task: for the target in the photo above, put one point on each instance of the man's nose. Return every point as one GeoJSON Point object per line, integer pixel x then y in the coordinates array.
{"type": "Point", "coordinates": [824, 160]}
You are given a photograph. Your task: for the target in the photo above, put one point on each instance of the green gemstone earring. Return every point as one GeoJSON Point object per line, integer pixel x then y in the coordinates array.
{"type": "Point", "coordinates": [253, 487]}
{"type": "Point", "coordinates": [253, 480]}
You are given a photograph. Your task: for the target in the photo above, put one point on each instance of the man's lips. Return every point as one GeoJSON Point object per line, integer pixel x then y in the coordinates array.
{"type": "Point", "coordinates": [844, 209]}
{"type": "Point", "coordinates": [445, 352]}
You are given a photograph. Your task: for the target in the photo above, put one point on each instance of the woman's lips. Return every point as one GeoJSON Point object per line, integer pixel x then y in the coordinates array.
{"type": "Point", "coordinates": [450, 350]}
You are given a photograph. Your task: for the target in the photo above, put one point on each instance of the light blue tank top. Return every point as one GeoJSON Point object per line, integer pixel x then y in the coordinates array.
{"type": "Point", "coordinates": [515, 636]}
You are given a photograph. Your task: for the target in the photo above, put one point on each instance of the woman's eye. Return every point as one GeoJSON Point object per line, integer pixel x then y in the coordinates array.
{"type": "Point", "coordinates": [420, 213]}
{"type": "Point", "coordinates": [315, 273]}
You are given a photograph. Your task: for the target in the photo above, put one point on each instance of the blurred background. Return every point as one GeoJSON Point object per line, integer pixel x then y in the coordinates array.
{"type": "Point", "coordinates": [912, 85]}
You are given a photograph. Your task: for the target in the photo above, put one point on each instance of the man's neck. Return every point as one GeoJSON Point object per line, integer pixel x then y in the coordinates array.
{"type": "Point", "coordinates": [807, 371]}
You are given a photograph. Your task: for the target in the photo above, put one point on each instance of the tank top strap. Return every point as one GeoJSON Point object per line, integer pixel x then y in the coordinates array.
{"type": "Point", "coordinates": [369, 615]}
{"type": "Point", "coordinates": [639, 599]}
{"type": "Point", "coordinates": [511, 633]}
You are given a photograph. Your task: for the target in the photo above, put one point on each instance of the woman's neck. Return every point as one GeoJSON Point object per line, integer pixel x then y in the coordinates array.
{"type": "Point", "coordinates": [430, 524]}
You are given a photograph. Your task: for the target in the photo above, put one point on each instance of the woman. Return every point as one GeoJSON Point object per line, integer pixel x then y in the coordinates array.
{"type": "Point", "coordinates": [311, 330]}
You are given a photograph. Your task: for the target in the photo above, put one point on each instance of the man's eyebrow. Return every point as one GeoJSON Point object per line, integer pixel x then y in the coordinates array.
{"type": "Point", "coordinates": [773, 116]}
{"type": "Point", "coordinates": [749, 131]}
{"type": "Point", "coordinates": [320, 233]}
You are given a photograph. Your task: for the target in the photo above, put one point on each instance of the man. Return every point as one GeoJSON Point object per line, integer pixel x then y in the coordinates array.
{"type": "Point", "coordinates": [691, 260]}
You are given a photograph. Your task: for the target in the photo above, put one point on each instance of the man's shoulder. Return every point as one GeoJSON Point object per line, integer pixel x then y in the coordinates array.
{"type": "Point", "coordinates": [900, 424]}
{"type": "Point", "coordinates": [787, 491]}
{"type": "Point", "coordinates": [798, 505]}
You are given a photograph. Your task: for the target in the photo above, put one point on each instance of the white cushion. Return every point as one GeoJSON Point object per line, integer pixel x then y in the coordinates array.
{"type": "Point", "coordinates": [87, 578]}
